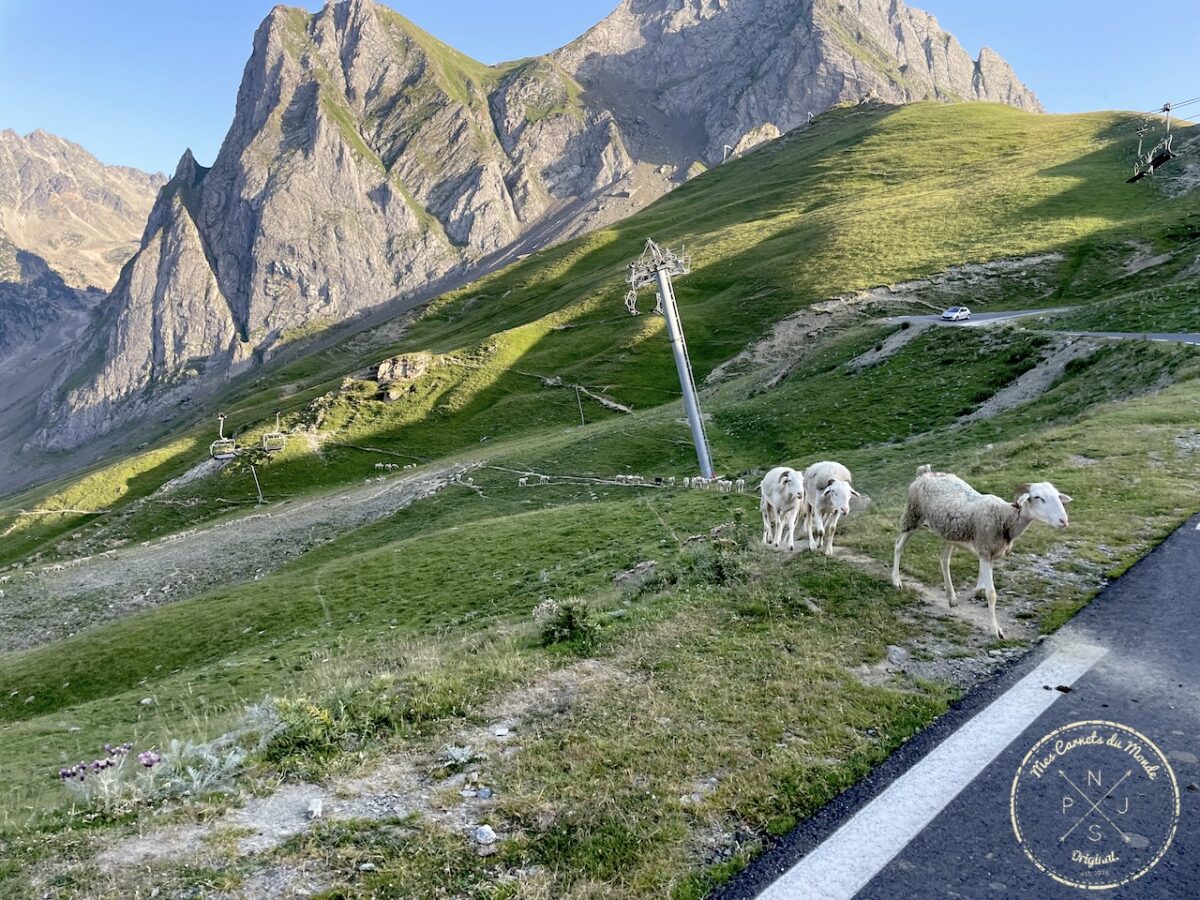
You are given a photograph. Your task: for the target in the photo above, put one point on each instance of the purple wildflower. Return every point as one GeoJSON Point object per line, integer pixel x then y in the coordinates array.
{"type": "Point", "coordinates": [149, 758]}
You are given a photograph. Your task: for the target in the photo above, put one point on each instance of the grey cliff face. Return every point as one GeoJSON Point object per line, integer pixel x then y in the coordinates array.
{"type": "Point", "coordinates": [368, 162]}
{"type": "Point", "coordinates": [729, 67]}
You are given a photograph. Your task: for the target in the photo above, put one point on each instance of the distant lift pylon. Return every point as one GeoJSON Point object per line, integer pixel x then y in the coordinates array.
{"type": "Point", "coordinates": [1157, 156]}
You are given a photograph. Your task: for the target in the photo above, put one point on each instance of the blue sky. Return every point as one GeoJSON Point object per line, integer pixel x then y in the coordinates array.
{"type": "Point", "coordinates": [137, 81]}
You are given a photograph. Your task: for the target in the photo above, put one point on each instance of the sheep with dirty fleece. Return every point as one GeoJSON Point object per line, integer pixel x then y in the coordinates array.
{"type": "Point", "coordinates": [827, 491]}
{"type": "Point", "coordinates": [781, 505]}
{"type": "Point", "coordinates": [985, 524]}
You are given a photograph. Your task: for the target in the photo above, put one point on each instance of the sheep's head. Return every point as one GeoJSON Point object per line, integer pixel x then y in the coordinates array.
{"type": "Point", "coordinates": [837, 496]}
{"type": "Point", "coordinates": [1042, 502]}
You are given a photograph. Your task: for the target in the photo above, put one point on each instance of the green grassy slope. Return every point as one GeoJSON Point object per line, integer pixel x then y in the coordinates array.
{"type": "Point", "coordinates": [732, 663]}
{"type": "Point", "coordinates": [872, 195]}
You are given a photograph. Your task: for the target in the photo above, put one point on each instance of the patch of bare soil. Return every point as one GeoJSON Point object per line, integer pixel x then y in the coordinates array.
{"type": "Point", "coordinates": [51, 602]}
{"type": "Point", "coordinates": [449, 788]}
{"type": "Point", "coordinates": [971, 610]}
{"type": "Point", "coordinates": [1143, 258]}
{"type": "Point", "coordinates": [1036, 381]}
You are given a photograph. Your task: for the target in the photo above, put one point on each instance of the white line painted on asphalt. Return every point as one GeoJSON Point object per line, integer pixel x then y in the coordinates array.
{"type": "Point", "coordinates": [854, 854]}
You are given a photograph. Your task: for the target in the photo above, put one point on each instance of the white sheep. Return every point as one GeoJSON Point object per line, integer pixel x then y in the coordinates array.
{"type": "Point", "coordinates": [671, 481]}
{"type": "Point", "coordinates": [724, 486]}
{"type": "Point", "coordinates": [982, 523]}
{"type": "Point", "coordinates": [378, 467]}
{"type": "Point", "coordinates": [827, 491]}
{"type": "Point", "coordinates": [781, 505]}
{"type": "Point", "coordinates": [740, 485]}
{"type": "Point", "coordinates": [522, 482]}
{"type": "Point", "coordinates": [543, 479]}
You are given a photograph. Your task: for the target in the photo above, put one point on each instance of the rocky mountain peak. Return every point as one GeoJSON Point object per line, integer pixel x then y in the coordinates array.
{"type": "Point", "coordinates": [62, 204]}
{"type": "Point", "coordinates": [369, 163]}
{"type": "Point", "coordinates": [728, 67]}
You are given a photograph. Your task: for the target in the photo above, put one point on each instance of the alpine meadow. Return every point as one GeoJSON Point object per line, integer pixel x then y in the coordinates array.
{"type": "Point", "coordinates": [462, 630]}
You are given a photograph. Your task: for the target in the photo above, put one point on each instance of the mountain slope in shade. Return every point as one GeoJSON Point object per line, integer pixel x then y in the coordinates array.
{"type": "Point", "coordinates": [59, 202]}
{"type": "Point", "coordinates": [369, 163]}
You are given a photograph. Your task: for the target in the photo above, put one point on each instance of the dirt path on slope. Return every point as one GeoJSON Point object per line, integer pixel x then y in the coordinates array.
{"type": "Point", "coordinates": [44, 604]}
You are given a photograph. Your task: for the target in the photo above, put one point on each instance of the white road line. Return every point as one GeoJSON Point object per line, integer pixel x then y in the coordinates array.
{"type": "Point", "coordinates": [849, 858]}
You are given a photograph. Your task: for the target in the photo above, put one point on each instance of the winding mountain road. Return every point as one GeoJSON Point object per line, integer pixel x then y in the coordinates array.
{"type": "Point", "coordinates": [978, 320]}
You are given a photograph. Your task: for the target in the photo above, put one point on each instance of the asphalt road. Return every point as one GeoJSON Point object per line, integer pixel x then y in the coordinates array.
{"type": "Point", "coordinates": [978, 318]}
{"type": "Point", "coordinates": [1131, 661]}
{"type": "Point", "coordinates": [1180, 338]}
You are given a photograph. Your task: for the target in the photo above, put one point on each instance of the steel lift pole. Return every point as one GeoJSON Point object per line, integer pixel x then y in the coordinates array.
{"type": "Point", "coordinates": [658, 266]}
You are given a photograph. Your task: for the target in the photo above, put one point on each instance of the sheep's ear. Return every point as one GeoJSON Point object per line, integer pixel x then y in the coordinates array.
{"type": "Point", "coordinates": [1065, 498]}
{"type": "Point", "coordinates": [1021, 500]}
{"type": "Point", "coordinates": [854, 493]}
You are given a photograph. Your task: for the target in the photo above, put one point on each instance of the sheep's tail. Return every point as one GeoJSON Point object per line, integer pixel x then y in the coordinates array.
{"type": "Point", "coordinates": [924, 470]}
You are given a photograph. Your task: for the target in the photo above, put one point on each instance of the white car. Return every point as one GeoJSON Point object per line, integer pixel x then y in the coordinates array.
{"type": "Point", "coordinates": [956, 314]}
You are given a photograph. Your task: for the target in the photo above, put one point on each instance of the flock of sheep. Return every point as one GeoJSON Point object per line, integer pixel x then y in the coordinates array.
{"type": "Point", "coordinates": [984, 524]}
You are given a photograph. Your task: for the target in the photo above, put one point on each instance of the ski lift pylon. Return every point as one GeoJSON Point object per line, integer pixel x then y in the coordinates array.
{"type": "Point", "coordinates": [222, 447]}
{"type": "Point", "coordinates": [274, 441]}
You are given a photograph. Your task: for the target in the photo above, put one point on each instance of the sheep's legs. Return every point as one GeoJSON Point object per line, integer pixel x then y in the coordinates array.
{"type": "Point", "coordinates": [900, 542]}
{"type": "Point", "coordinates": [830, 528]}
{"type": "Point", "coordinates": [792, 515]}
{"type": "Point", "coordinates": [947, 552]}
{"type": "Point", "coordinates": [985, 578]}
{"type": "Point", "coordinates": [768, 523]}
{"type": "Point", "coordinates": [808, 524]}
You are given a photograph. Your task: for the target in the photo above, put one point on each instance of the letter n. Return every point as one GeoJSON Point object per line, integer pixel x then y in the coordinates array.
{"type": "Point", "coordinates": [1095, 777]}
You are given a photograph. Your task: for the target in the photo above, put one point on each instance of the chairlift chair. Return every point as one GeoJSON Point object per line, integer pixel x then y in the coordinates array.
{"type": "Point", "coordinates": [1158, 156]}
{"type": "Point", "coordinates": [274, 441]}
{"type": "Point", "coordinates": [222, 447]}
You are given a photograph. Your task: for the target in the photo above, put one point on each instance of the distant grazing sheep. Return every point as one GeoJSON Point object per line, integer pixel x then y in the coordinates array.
{"type": "Point", "coordinates": [740, 485]}
{"type": "Point", "coordinates": [827, 493]}
{"type": "Point", "coordinates": [982, 523]}
{"type": "Point", "coordinates": [522, 482]}
{"type": "Point", "coordinates": [378, 467]}
{"type": "Point", "coordinates": [781, 505]}
{"type": "Point", "coordinates": [543, 479]}
{"type": "Point", "coordinates": [671, 481]}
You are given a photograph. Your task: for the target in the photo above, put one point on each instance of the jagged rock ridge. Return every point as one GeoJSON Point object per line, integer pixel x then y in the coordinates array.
{"type": "Point", "coordinates": [368, 161]}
